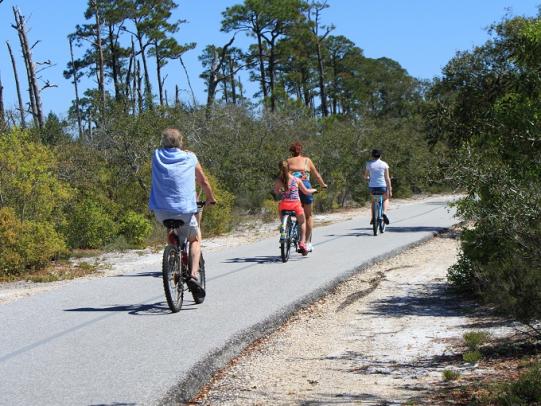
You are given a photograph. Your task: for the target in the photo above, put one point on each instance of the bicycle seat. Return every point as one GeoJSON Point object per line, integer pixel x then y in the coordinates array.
{"type": "Point", "coordinates": [378, 193]}
{"type": "Point", "coordinates": [288, 213]}
{"type": "Point", "coordinates": [170, 223]}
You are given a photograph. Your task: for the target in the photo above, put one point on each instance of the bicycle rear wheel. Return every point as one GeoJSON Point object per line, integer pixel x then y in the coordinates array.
{"type": "Point", "coordinates": [173, 284]}
{"type": "Point", "coordinates": [285, 244]}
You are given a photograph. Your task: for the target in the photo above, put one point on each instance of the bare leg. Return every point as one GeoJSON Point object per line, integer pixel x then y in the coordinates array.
{"type": "Point", "coordinates": [302, 225]}
{"type": "Point", "coordinates": [309, 221]}
{"type": "Point", "coordinates": [385, 202]}
{"type": "Point", "coordinates": [195, 255]}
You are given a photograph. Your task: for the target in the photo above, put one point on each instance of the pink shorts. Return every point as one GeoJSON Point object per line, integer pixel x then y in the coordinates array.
{"type": "Point", "coordinates": [291, 205]}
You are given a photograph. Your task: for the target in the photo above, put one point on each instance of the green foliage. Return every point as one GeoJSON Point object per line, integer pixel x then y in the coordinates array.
{"type": "Point", "coordinates": [526, 390]}
{"type": "Point", "coordinates": [28, 178]}
{"type": "Point", "coordinates": [471, 357]}
{"type": "Point", "coordinates": [486, 108]}
{"type": "Point", "coordinates": [89, 225]}
{"type": "Point", "coordinates": [218, 219]}
{"type": "Point", "coordinates": [450, 375]}
{"type": "Point", "coordinates": [475, 339]}
{"type": "Point", "coordinates": [26, 244]}
{"type": "Point", "coordinates": [135, 228]}
{"type": "Point", "coordinates": [269, 210]}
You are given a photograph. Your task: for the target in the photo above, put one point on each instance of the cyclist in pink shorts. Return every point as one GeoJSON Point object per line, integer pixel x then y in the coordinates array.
{"type": "Point", "coordinates": [288, 187]}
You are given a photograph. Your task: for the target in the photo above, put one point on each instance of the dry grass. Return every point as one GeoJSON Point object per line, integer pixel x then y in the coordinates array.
{"type": "Point", "coordinates": [57, 271]}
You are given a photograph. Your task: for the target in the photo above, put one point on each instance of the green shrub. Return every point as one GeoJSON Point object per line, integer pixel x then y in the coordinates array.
{"type": "Point", "coordinates": [28, 178]}
{"type": "Point", "coordinates": [218, 219]}
{"type": "Point", "coordinates": [471, 357]}
{"type": "Point", "coordinates": [526, 390]}
{"type": "Point", "coordinates": [450, 375]}
{"type": "Point", "coordinates": [28, 244]}
{"type": "Point", "coordinates": [475, 339]}
{"type": "Point", "coordinates": [135, 228]}
{"type": "Point", "coordinates": [90, 225]}
{"type": "Point", "coordinates": [269, 210]}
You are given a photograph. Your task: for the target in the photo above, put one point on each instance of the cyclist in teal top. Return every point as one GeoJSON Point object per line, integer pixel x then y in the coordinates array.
{"type": "Point", "coordinates": [301, 167]}
{"type": "Point", "coordinates": [377, 173]}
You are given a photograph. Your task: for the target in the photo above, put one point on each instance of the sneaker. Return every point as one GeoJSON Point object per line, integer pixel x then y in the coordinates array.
{"type": "Point", "coordinates": [303, 250]}
{"type": "Point", "coordinates": [310, 247]}
{"type": "Point", "coordinates": [198, 293]}
{"type": "Point", "coordinates": [385, 218]}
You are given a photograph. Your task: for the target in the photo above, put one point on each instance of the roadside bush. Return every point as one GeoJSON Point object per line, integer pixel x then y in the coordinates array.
{"type": "Point", "coordinates": [526, 390]}
{"type": "Point", "coordinates": [90, 225]}
{"type": "Point", "coordinates": [135, 228]}
{"type": "Point", "coordinates": [28, 244]}
{"type": "Point", "coordinates": [269, 210]}
{"type": "Point", "coordinates": [218, 219]}
{"type": "Point", "coordinates": [29, 180]}
{"type": "Point", "coordinates": [450, 375]}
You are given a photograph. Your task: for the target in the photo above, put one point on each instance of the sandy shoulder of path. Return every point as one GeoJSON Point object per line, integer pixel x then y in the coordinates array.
{"type": "Point", "coordinates": [382, 337]}
{"type": "Point", "coordinates": [248, 231]}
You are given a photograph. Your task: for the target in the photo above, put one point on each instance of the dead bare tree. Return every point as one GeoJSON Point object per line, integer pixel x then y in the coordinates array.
{"type": "Point", "coordinates": [17, 86]}
{"type": "Point", "coordinates": [188, 80]}
{"type": "Point", "coordinates": [33, 88]}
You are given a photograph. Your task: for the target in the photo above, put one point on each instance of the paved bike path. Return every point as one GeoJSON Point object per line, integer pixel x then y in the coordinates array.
{"type": "Point", "coordinates": [113, 341]}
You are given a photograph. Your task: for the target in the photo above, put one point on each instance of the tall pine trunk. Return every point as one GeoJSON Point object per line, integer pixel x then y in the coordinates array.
{"type": "Point", "coordinates": [101, 62]}
{"type": "Point", "coordinates": [75, 85]}
{"type": "Point", "coordinates": [148, 87]}
{"type": "Point", "coordinates": [159, 72]}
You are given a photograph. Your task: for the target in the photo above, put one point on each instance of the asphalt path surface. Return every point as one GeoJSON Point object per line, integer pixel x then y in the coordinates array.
{"type": "Point", "coordinates": [113, 341]}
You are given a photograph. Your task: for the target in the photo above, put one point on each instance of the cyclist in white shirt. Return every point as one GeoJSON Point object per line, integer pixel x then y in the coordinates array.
{"type": "Point", "coordinates": [377, 174]}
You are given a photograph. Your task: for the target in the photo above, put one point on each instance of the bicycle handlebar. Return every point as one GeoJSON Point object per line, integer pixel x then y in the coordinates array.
{"type": "Point", "coordinates": [202, 203]}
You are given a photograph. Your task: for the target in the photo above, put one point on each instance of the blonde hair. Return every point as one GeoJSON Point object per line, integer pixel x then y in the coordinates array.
{"type": "Point", "coordinates": [284, 174]}
{"type": "Point", "coordinates": [172, 138]}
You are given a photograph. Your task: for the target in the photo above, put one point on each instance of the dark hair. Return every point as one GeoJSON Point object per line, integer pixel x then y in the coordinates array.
{"type": "Point", "coordinates": [376, 153]}
{"type": "Point", "coordinates": [296, 148]}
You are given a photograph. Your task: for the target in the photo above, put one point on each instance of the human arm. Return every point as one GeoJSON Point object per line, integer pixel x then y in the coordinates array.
{"type": "Point", "coordinates": [313, 170]}
{"type": "Point", "coordinates": [388, 182]}
{"type": "Point", "coordinates": [304, 189]}
{"type": "Point", "coordinates": [201, 180]}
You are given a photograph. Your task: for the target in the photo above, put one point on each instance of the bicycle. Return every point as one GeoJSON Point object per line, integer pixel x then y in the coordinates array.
{"type": "Point", "coordinates": [377, 212]}
{"type": "Point", "coordinates": [289, 234]}
{"type": "Point", "coordinates": [177, 267]}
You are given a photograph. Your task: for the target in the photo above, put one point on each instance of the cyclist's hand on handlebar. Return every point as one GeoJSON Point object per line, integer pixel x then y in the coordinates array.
{"type": "Point", "coordinates": [210, 202]}
{"type": "Point", "coordinates": [324, 186]}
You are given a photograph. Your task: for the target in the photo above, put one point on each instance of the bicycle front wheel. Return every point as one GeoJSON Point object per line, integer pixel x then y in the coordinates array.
{"type": "Point", "coordinates": [172, 280]}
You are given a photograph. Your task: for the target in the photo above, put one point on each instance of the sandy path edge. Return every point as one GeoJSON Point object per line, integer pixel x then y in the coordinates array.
{"type": "Point", "coordinates": [384, 336]}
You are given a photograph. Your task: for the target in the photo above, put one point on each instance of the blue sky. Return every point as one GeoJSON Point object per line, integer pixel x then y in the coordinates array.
{"type": "Point", "coordinates": [422, 35]}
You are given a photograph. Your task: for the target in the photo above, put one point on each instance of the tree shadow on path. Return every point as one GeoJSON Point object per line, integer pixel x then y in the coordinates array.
{"type": "Point", "coordinates": [436, 300]}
